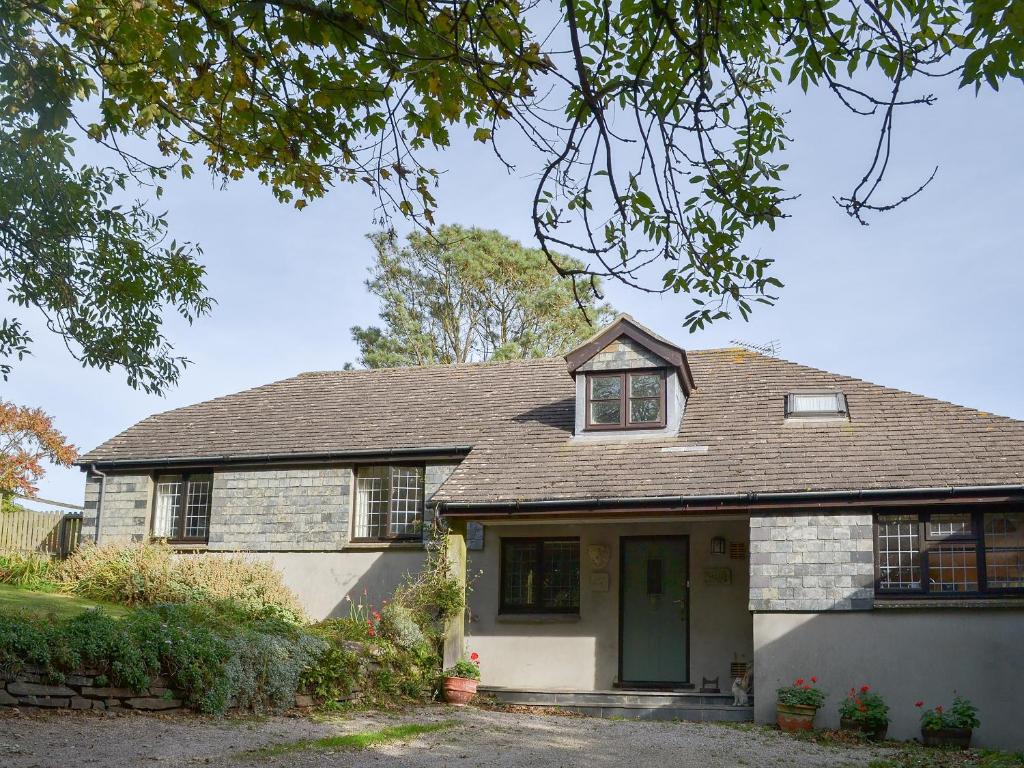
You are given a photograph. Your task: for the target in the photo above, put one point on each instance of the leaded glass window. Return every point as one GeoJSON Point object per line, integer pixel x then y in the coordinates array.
{"type": "Point", "coordinates": [950, 552]}
{"type": "Point", "coordinates": [899, 553]}
{"type": "Point", "coordinates": [1004, 550]}
{"type": "Point", "coordinates": [540, 575]}
{"type": "Point", "coordinates": [181, 509]}
{"type": "Point", "coordinates": [389, 502]}
{"type": "Point", "coordinates": [626, 400]}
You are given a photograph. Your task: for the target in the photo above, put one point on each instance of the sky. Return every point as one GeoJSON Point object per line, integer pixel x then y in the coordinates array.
{"type": "Point", "coordinates": [925, 299]}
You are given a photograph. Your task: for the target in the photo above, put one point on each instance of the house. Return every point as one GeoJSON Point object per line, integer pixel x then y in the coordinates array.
{"type": "Point", "coordinates": [645, 521]}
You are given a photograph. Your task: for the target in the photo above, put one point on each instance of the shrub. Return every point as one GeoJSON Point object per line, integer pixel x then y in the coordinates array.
{"type": "Point", "coordinates": [435, 594]}
{"type": "Point", "coordinates": [131, 574]}
{"type": "Point", "coordinates": [398, 625]}
{"type": "Point", "coordinates": [30, 571]}
{"type": "Point", "coordinates": [801, 693]}
{"type": "Point", "coordinates": [332, 675]}
{"type": "Point", "coordinates": [255, 586]}
{"type": "Point", "coordinates": [213, 655]}
{"type": "Point", "coordinates": [385, 671]}
{"type": "Point", "coordinates": [865, 707]}
{"type": "Point", "coordinates": [962, 714]}
{"type": "Point", "coordinates": [266, 669]}
{"type": "Point", "coordinates": [146, 574]}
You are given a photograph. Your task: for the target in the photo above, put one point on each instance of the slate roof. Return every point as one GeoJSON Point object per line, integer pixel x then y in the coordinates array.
{"type": "Point", "coordinates": [518, 417]}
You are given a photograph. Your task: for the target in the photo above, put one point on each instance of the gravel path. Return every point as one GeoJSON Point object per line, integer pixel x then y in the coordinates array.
{"type": "Point", "coordinates": [480, 738]}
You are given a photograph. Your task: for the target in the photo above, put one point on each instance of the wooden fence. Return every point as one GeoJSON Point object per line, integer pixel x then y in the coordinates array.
{"type": "Point", "coordinates": [49, 533]}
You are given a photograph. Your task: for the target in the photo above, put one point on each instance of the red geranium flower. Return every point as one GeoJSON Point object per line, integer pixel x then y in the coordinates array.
{"type": "Point", "coordinates": [799, 681]}
{"type": "Point", "coordinates": [939, 709]}
{"type": "Point", "coordinates": [865, 688]}
{"type": "Point", "coordinates": [918, 703]}
{"type": "Point", "coordinates": [814, 679]}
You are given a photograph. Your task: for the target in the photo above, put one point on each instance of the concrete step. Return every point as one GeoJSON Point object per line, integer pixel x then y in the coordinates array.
{"type": "Point", "coordinates": [638, 705]}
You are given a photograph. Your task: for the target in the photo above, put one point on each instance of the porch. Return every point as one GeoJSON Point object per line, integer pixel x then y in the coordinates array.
{"type": "Point", "coordinates": [630, 705]}
{"type": "Point", "coordinates": [652, 623]}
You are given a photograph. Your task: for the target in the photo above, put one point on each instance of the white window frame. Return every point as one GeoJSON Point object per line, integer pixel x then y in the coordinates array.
{"type": "Point", "coordinates": [375, 478]}
{"type": "Point", "coordinates": [841, 411]}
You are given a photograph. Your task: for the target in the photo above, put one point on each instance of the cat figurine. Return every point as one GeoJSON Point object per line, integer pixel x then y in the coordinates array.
{"type": "Point", "coordinates": [740, 686]}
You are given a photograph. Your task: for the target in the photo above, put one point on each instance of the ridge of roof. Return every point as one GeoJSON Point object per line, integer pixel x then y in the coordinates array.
{"type": "Point", "coordinates": [522, 361]}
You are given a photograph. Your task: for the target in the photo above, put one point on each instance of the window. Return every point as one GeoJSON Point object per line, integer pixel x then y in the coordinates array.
{"type": "Point", "coordinates": [1004, 550]}
{"type": "Point", "coordinates": [949, 553]}
{"type": "Point", "coordinates": [389, 503]}
{"type": "Point", "coordinates": [626, 400]}
{"type": "Point", "coordinates": [816, 405]}
{"type": "Point", "coordinates": [181, 511]}
{"type": "Point", "coordinates": [540, 575]}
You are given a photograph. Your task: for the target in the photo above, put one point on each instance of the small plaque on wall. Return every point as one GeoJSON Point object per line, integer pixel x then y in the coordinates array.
{"type": "Point", "coordinates": [474, 536]}
{"type": "Point", "coordinates": [716, 577]}
{"type": "Point", "coordinates": [599, 582]}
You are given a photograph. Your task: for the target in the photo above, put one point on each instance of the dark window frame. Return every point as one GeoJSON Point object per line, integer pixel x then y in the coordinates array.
{"type": "Point", "coordinates": [843, 411]}
{"type": "Point", "coordinates": [928, 544]}
{"type": "Point", "coordinates": [537, 605]}
{"type": "Point", "coordinates": [389, 536]}
{"type": "Point", "coordinates": [624, 421]}
{"type": "Point", "coordinates": [179, 536]}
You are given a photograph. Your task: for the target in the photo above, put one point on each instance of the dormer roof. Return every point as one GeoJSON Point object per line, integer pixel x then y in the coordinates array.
{"type": "Point", "coordinates": [624, 326]}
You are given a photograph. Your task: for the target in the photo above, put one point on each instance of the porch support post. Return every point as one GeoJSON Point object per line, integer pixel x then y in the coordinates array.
{"type": "Point", "coordinates": [455, 630]}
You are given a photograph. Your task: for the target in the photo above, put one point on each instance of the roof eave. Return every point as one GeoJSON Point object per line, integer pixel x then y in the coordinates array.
{"type": "Point", "coordinates": [732, 501]}
{"type": "Point", "coordinates": [418, 453]}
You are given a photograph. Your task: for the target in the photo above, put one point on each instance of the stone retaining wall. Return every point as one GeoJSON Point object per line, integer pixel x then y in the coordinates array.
{"type": "Point", "coordinates": [27, 689]}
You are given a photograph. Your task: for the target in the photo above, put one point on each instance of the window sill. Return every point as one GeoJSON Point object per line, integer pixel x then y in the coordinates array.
{"type": "Point", "coordinates": [187, 546]}
{"type": "Point", "coordinates": [938, 603]}
{"type": "Point", "coordinates": [380, 546]}
{"type": "Point", "coordinates": [538, 618]}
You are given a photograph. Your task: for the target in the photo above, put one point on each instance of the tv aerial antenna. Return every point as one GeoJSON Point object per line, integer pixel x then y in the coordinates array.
{"type": "Point", "coordinates": [769, 348]}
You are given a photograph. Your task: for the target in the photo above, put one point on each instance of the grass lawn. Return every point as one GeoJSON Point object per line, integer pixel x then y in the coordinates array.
{"type": "Point", "coordinates": [46, 603]}
{"type": "Point", "coordinates": [354, 740]}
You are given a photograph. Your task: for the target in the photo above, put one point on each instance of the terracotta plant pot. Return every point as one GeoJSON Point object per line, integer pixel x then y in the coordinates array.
{"type": "Point", "coordinates": [795, 717]}
{"type": "Point", "coordinates": [459, 690]}
{"type": "Point", "coordinates": [947, 737]}
{"type": "Point", "coordinates": [873, 732]}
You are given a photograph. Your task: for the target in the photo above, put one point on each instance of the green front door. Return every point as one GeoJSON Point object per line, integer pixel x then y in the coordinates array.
{"type": "Point", "coordinates": [654, 612]}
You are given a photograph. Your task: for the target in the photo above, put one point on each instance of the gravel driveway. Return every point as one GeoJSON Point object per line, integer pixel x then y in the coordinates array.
{"type": "Point", "coordinates": [476, 738]}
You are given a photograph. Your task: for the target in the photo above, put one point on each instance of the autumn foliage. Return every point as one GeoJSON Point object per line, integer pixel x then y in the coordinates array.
{"type": "Point", "coordinates": [27, 437]}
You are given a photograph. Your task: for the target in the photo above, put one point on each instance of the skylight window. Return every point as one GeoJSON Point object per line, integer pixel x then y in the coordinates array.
{"type": "Point", "coordinates": [816, 405]}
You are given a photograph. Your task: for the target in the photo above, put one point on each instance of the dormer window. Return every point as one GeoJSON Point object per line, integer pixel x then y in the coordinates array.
{"type": "Point", "coordinates": [628, 379]}
{"type": "Point", "coordinates": [626, 400]}
{"type": "Point", "coordinates": [816, 405]}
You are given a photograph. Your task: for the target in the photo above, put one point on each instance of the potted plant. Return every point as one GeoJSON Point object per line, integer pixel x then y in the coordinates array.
{"type": "Point", "coordinates": [460, 680]}
{"type": "Point", "coordinates": [951, 727]}
{"type": "Point", "coordinates": [797, 704]}
{"type": "Point", "coordinates": [865, 711]}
